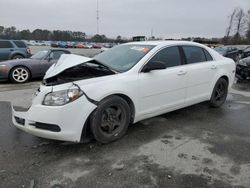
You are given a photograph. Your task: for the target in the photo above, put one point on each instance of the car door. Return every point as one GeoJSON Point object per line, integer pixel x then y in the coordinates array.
{"type": "Point", "coordinates": [165, 89]}
{"type": "Point", "coordinates": [6, 49]}
{"type": "Point", "coordinates": [201, 68]}
{"type": "Point", "coordinates": [52, 58]}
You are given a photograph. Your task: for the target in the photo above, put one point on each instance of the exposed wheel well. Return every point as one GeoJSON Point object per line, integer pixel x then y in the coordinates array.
{"type": "Point", "coordinates": [226, 78]}
{"type": "Point", "coordinates": [20, 66]}
{"type": "Point", "coordinates": [86, 131]}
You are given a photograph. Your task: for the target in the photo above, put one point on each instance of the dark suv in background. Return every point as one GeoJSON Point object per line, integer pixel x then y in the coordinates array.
{"type": "Point", "coordinates": [13, 49]}
{"type": "Point", "coordinates": [230, 52]}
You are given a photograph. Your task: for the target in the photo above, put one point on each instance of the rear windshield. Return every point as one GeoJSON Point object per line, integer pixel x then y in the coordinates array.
{"type": "Point", "coordinates": [20, 44]}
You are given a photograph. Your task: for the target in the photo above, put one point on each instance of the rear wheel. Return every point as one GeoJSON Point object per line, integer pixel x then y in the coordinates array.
{"type": "Point", "coordinates": [219, 94]}
{"type": "Point", "coordinates": [110, 120]}
{"type": "Point", "coordinates": [19, 75]}
{"type": "Point", "coordinates": [17, 57]}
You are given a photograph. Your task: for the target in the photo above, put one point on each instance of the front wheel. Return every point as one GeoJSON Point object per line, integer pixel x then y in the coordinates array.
{"type": "Point", "coordinates": [19, 75]}
{"type": "Point", "coordinates": [110, 120]}
{"type": "Point", "coordinates": [219, 94]}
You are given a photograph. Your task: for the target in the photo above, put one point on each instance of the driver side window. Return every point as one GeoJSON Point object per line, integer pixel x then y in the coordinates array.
{"type": "Point", "coordinates": [169, 56]}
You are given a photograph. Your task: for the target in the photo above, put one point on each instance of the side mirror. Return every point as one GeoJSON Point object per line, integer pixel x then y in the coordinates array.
{"type": "Point", "coordinates": [49, 59]}
{"type": "Point", "coordinates": [153, 65]}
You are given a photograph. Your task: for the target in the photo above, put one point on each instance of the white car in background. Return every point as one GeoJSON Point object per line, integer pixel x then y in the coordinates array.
{"type": "Point", "coordinates": [124, 85]}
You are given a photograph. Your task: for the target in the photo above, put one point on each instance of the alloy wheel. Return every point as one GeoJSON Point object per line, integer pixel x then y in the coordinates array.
{"type": "Point", "coordinates": [20, 75]}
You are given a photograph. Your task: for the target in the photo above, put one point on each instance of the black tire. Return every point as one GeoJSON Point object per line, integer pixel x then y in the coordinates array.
{"type": "Point", "coordinates": [19, 74]}
{"type": "Point", "coordinates": [219, 94]}
{"type": "Point", "coordinates": [17, 57]}
{"type": "Point", "coordinates": [110, 121]}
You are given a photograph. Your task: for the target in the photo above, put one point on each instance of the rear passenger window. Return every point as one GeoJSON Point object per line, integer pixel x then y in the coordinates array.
{"type": "Point", "coordinates": [20, 44]}
{"type": "Point", "coordinates": [194, 54]}
{"type": "Point", "coordinates": [5, 44]}
{"type": "Point", "coordinates": [169, 56]}
{"type": "Point", "coordinates": [208, 56]}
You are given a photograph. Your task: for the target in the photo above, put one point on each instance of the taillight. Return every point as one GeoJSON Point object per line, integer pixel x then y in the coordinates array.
{"type": "Point", "coordinates": [28, 50]}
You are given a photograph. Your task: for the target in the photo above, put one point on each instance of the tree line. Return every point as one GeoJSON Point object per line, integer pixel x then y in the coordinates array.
{"type": "Point", "coordinates": [238, 30]}
{"type": "Point", "coordinates": [55, 35]}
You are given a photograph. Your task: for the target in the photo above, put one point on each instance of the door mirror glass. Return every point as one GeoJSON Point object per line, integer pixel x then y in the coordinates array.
{"type": "Point", "coordinates": [153, 65]}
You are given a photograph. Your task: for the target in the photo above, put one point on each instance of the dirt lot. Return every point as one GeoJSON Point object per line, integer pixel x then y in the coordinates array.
{"type": "Point", "coordinates": [197, 146]}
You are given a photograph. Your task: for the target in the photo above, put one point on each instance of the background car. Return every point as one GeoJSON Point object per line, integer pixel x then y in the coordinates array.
{"type": "Point", "coordinates": [97, 46]}
{"type": "Point", "coordinates": [229, 51]}
{"type": "Point", "coordinates": [243, 68]}
{"type": "Point", "coordinates": [62, 44]}
{"type": "Point", "coordinates": [13, 49]}
{"type": "Point", "coordinates": [246, 52]}
{"type": "Point", "coordinates": [54, 44]}
{"type": "Point", "coordinates": [80, 45]}
{"type": "Point", "coordinates": [70, 44]}
{"type": "Point", "coordinates": [21, 70]}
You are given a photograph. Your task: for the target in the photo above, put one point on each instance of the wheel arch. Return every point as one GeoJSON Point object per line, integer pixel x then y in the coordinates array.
{"type": "Point", "coordinates": [86, 131]}
{"type": "Point", "coordinates": [17, 53]}
{"type": "Point", "coordinates": [225, 77]}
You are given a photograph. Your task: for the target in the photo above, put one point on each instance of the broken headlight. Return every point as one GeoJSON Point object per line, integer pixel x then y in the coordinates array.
{"type": "Point", "coordinates": [59, 98]}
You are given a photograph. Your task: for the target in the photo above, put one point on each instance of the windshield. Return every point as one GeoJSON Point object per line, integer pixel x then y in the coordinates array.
{"type": "Point", "coordinates": [39, 55]}
{"type": "Point", "coordinates": [123, 57]}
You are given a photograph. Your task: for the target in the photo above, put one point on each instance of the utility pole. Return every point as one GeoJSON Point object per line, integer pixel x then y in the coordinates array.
{"type": "Point", "coordinates": [97, 17]}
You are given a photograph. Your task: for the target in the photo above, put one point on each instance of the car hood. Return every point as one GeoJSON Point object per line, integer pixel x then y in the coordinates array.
{"type": "Point", "coordinates": [66, 61]}
{"type": "Point", "coordinates": [17, 61]}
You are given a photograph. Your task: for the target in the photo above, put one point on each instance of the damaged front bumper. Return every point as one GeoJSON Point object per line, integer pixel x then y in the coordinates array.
{"type": "Point", "coordinates": [54, 122]}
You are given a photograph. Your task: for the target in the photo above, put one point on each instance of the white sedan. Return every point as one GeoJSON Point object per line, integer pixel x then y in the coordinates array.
{"type": "Point", "coordinates": [124, 85]}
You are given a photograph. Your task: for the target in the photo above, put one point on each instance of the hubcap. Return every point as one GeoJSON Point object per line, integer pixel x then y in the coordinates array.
{"type": "Point", "coordinates": [113, 119]}
{"type": "Point", "coordinates": [220, 92]}
{"type": "Point", "coordinates": [20, 75]}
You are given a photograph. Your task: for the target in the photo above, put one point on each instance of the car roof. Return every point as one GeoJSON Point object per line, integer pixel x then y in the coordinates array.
{"type": "Point", "coordinates": [166, 43]}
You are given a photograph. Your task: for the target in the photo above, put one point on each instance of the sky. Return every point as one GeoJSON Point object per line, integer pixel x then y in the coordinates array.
{"type": "Point", "coordinates": [164, 18]}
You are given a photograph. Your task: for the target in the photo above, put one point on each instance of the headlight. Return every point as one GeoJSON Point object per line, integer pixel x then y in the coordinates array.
{"type": "Point", "coordinates": [243, 63]}
{"type": "Point", "coordinates": [63, 97]}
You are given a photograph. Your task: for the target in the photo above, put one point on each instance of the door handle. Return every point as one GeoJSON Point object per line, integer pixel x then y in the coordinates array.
{"type": "Point", "coordinates": [11, 50]}
{"type": "Point", "coordinates": [213, 67]}
{"type": "Point", "coordinates": [182, 72]}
